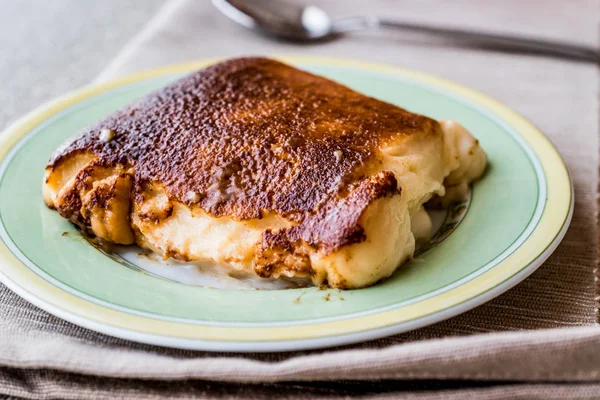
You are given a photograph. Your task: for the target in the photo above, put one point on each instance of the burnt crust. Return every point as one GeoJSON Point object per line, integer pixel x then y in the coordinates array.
{"type": "Point", "coordinates": [333, 226]}
{"type": "Point", "coordinates": [252, 136]}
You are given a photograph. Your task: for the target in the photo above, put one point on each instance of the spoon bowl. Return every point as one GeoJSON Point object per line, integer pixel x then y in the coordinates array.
{"type": "Point", "coordinates": [278, 18]}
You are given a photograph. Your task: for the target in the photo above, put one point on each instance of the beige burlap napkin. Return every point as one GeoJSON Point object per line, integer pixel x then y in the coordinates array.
{"type": "Point", "coordinates": [538, 340]}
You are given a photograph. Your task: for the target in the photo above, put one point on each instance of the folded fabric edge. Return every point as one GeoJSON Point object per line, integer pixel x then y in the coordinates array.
{"type": "Point", "coordinates": [162, 16]}
{"type": "Point", "coordinates": [52, 384]}
{"type": "Point", "coordinates": [548, 355]}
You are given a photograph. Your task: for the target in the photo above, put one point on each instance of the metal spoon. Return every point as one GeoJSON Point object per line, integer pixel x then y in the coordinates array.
{"type": "Point", "coordinates": [291, 21]}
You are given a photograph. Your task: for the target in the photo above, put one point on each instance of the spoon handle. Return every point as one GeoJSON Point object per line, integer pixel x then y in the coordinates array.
{"type": "Point", "coordinates": [531, 45]}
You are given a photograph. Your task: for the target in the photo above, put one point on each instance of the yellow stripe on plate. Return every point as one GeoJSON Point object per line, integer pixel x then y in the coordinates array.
{"type": "Point", "coordinates": [555, 216]}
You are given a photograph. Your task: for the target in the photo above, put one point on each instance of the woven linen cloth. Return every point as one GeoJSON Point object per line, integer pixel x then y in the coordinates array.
{"type": "Point", "coordinates": [538, 340]}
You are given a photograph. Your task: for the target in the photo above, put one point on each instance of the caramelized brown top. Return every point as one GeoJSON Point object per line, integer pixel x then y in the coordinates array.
{"type": "Point", "coordinates": [249, 136]}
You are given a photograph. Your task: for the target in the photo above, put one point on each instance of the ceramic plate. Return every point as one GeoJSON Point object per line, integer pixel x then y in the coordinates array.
{"type": "Point", "coordinates": [517, 215]}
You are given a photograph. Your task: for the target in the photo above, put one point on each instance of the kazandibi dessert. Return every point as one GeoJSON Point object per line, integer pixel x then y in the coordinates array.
{"type": "Point", "coordinates": [261, 167]}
